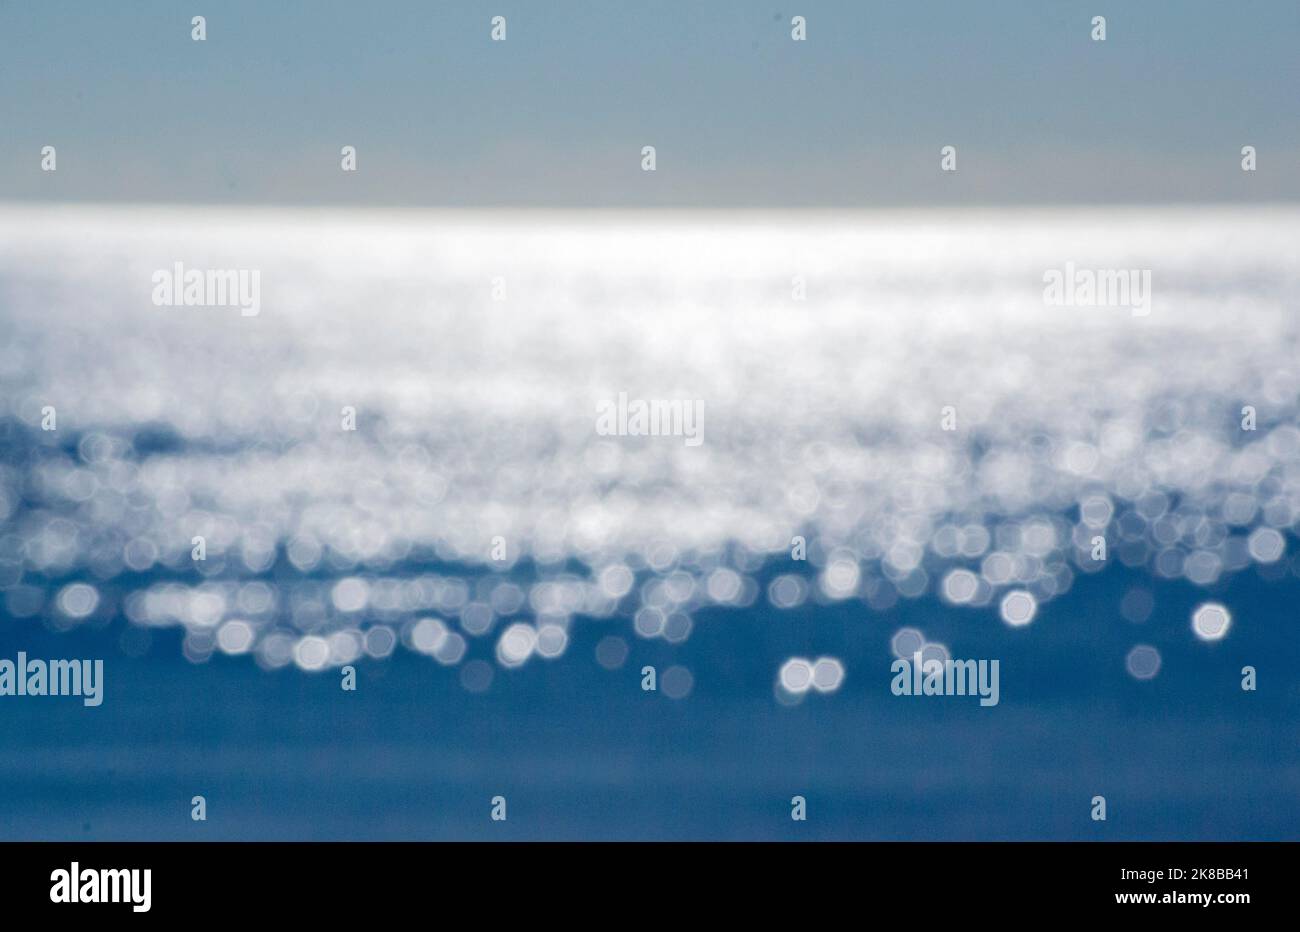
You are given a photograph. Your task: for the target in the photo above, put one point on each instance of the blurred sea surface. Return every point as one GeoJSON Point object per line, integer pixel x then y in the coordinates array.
{"type": "Point", "coordinates": [474, 348]}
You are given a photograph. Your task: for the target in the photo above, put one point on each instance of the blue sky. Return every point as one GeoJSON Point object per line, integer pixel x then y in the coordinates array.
{"type": "Point", "coordinates": [740, 115]}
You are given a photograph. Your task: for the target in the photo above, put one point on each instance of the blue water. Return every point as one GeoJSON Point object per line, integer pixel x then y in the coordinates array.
{"type": "Point", "coordinates": [479, 677]}
{"type": "Point", "coordinates": [581, 752]}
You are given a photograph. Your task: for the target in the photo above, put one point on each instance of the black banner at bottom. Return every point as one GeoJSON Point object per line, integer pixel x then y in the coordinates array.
{"type": "Point", "coordinates": [341, 880]}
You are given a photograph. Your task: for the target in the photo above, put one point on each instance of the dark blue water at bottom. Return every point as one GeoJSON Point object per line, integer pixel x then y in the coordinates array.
{"type": "Point", "coordinates": [582, 752]}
